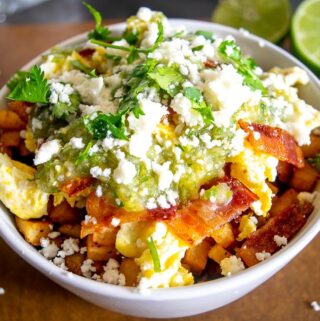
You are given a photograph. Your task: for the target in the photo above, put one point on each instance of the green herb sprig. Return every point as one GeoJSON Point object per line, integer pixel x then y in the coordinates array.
{"type": "Point", "coordinates": [154, 254]}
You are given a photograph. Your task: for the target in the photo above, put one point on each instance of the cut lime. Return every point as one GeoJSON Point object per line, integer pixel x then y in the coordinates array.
{"type": "Point", "coordinates": [269, 19]}
{"type": "Point", "coordinates": [305, 33]}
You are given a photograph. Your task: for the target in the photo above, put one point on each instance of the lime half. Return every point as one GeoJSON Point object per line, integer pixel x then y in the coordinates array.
{"type": "Point", "coordinates": [269, 19]}
{"type": "Point", "coordinates": [306, 33]}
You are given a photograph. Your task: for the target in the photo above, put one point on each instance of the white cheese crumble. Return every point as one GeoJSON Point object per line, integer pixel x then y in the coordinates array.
{"type": "Point", "coordinates": [49, 248]}
{"type": "Point", "coordinates": [280, 240]}
{"type": "Point", "coordinates": [261, 256]}
{"type": "Point", "coordinates": [46, 151]}
{"type": "Point", "coordinates": [36, 124]}
{"type": "Point", "coordinates": [125, 172]}
{"type": "Point", "coordinates": [99, 191]}
{"type": "Point", "coordinates": [76, 142]}
{"type": "Point", "coordinates": [165, 176]}
{"type": "Point", "coordinates": [144, 14]}
{"type": "Point", "coordinates": [112, 275]}
{"type": "Point", "coordinates": [115, 222]}
{"type": "Point", "coordinates": [87, 268]}
{"type": "Point", "coordinates": [231, 265]}
{"type": "Point", "coordinates": [60, 93]}
{"type": "Point", "coordinates": [69, 246]}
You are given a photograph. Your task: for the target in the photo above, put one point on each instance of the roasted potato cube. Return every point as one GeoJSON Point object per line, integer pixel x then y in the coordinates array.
{"type": "Point", "coordinates": [224, 235]}
{"type": "Point", "coordinates": [196, 257]}
{"type": "Point", "coordinates": [105, 237]}
{"type": "Point", "coordinates": [98, 252]}
{"type": "Point", "coordinates": [131, 270]}
{"type": "Point", "coordinates": [20, 108]}
{"type": "Point", "coordinates": [70, 230]}
{"type": "Point", "coordinates": [64, 214]}
{"type": "Point", "coordinates": [313, 149]}
{"type": "Point", "coordinates": [74, 262]}
{"type": "Point", "coordinates": [10, 139]}
{"type": "Point", "coordinates": [284, 172]}
{"type": "Point", "coordinates": [10, 120]}
{"type": "Point", "coordinates": [217, 253]}
{"type": "Point", "coordinates": [304, 179]}
{"type": "Point", "coordinates": [282, 202]}
{"type": "Point", "coordinates": [33, 231]}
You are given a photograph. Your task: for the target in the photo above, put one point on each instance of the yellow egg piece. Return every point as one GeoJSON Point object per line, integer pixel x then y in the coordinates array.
{"type": "Point", "coordinates": [19, 192]}
{"type": "Point", "coordinates": [132, 242]}
{"type": "Point", "coordinates": [252, 169]}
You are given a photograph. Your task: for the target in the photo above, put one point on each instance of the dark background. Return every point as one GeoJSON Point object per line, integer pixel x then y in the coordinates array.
{"type": "Point", "coordinates": [74, 11]}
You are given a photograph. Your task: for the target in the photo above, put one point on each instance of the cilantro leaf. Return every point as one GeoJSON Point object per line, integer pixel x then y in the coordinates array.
{"type": "Point", "coordinates": [229, 51]}
{"type": "Point", "coordinates": [206, 34]}
{"type": "Point", "coordinates": [29, 86]}
{"type": "Point", "coordinates": [131, 37]}
{"type": "Point", "coordinates": [84, 154]}
{"type": "Point", "coordinates": [194, 94]}
{"type": "Point", "coordinates": [60, 110]}
{"type": "Point", "coordinates": [197, 48]}
{"type": "Point", "coordinates": [198, 103]}
{"type": "Point", "coordinates": [16, 78]}
{"type": "Point", "coordinates": [103, 125]}
{"type": "Point", "coordinates": [76, 64]}
{"type": "Point", "coordinates": [100, 32]}
{"type": "Point", "coordinates": [154, 254]}
{"type": "Point", "coordinates": [168, 78]}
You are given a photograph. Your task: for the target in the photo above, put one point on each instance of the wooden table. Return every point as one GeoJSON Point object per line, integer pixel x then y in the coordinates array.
{"type": "Point", "coordinates": [30, 296]}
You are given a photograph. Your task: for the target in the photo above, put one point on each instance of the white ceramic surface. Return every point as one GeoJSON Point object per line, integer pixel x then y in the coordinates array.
{"type": "Point", "coordinates": [190, 300]}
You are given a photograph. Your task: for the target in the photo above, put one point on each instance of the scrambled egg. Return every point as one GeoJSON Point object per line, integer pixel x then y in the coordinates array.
{"type": "Point", "coordinates": [19, 192]}
{"type": "Point", "coordinates": [252, 168]}
{"type": "Point", "coordinates": [247, 227]}
{"type": "Point", "coordinates": [131, 242]}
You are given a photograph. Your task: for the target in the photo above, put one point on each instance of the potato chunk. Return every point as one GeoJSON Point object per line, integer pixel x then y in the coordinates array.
{"type": "Point", "coordinates": [32, 230]}
{"type": "Point", "coordinates": [64, 214]}
{"type": "Point", "coordinates": [304, 179]}
{"type": "Point", "coordinates": [10, 120]}
{"type": "Point", "coordinates": [74, 262]}
{"type": "Point", "coordinates": [98, 252]}
{"type": "Point", "coordinates": [224, 236]}
{"type": "Point", "coordinates": [217, 253]}
{"type": "Point", "coordinates": [131, 270]}
{"type": "Point", "coordinates": [313, 148]}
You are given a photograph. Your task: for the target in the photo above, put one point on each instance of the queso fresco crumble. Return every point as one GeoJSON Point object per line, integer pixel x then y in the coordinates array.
{"type": "Point", "coordinates": [158, 156]}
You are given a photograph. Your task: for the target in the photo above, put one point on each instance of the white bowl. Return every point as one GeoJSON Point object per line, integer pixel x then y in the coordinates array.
{"type": "Point", "coordinates": [194, 299]}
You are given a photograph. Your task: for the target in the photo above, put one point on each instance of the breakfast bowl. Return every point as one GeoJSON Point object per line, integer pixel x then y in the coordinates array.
{"type": "Point", "coordinates": [190, 299]}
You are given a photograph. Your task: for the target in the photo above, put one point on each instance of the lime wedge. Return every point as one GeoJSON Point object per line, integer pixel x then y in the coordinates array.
{"type": "Point", "coordinates": [305, 33]}
{"type": "Point", "coordinates": [269, 19]}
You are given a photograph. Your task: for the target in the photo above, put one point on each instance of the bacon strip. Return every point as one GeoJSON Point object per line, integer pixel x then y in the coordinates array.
{"type": "Point", "coordinates": [274, 141]}
{"type": "Point", "coordinates": [200, 217]}
{"type": "Point", "coordinates": [192, 223]}
{"type": "Point", "coordinates": [75, 185]}
{"type": "Point", "coordinates": [287, 224]}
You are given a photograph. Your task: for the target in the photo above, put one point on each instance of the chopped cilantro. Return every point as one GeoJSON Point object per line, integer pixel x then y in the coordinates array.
{"type": "Point", "coordinates": [84, 154]}
{"type": "Point", "coordinates": [60, 110]}
{"type": "Point", "coordinates": [29, 86]}
{"type": "Point", "coordinates": [168, 78]}
{"type": "Point", "coordinates": [103, 125]}
{"type": "Point", "coordinates": [229, 51]}
{"type": "Point", "coordinates": [206, 34]}
{"type": "Point", "coordinates": [154, 254]}
{"type": "Point", "coordinates": [100, 32]}
{"type": "Point", "coordinates": [113, 57]}
{"type": "Point", "coordinates": [197, 48]}
{"type": "Point", "coordinates": [131, 37]}
{"type": "Point", "coordinates": [198, 103]}
{"type": "Point", "coordinates": [15, 79]}
{"type": "Point", "coordinates": [80, 66]}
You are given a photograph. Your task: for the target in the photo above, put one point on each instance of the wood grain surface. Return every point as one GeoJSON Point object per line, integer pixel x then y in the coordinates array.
{"type": "Point", "coordinates": [30, 296]}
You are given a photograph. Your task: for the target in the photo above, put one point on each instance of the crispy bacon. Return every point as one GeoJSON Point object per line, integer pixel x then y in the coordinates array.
{"type": "Point", "coordinates": [75, 185]}
{"type": "Point", "coordinates": [87, 52]}
{"type": "Point", "coordinates": [287, 223]}
{"type": "Point", "coordinates": [274, 141]}
{"type": "Point", "coordinates": [192, 223]}
{"type": "Point", "coordinates": [200, 217]}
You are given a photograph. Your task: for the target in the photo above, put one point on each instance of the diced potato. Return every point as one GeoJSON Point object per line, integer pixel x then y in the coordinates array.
{"type": "Point", "coordinates": [284, 172]}
{"type": "Point", "coordinates": [6, 150]}
{"type": "Point", "coordinates": [224, 236]}
{"type": "Point", "coordinates": [105, 237]}
{"type": "Point", "coordinates": [196, 257]}
{"type": "Point", "coordinates": [217, 253]}
{"type": "Point", "coordinates": [64, 214]}
{"type": "Point", "coordinates": [98, 252]}
{"type": "Point", "coordinates": [284, 201]}
{"type": "Point", "coordinates": [304, 179]}
{"type": "Point", "coordinates": [10, 139]}
{"type": "Point", "coordinates": [313, 149]}
{"type": "Point", "coordinates": [131, 270]}
{"type": "Point", "coordinates": [10, 120]}
{"type": "Point", "coordinates": [74, 262]}
{"type": "Point", "coordinates": [72, 230]}
{"type": "Point", "coordinates": [33, 231]}
{"type": "Point", "coordinates": [20, 108]}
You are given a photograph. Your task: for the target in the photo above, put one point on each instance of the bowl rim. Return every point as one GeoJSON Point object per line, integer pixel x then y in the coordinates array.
{"type": "Point", "coordinates": [9, 233]}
